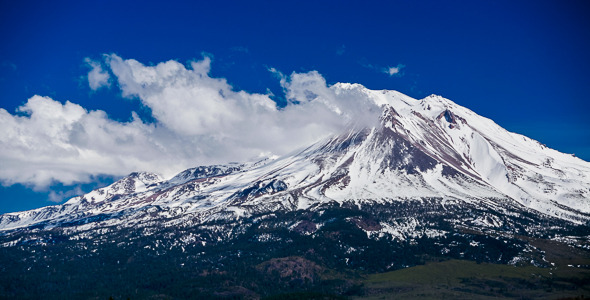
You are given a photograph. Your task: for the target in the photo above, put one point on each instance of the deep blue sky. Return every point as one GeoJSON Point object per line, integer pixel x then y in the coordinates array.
{"type": "Point", "coordinates": [524, 64]}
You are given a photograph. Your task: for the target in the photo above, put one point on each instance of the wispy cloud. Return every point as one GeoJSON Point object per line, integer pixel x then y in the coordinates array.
{"type": "Point", "coordinates": [279, 75]}
{"type": "Point", "coordinates": [199, 120]}
{"type": "Point", "coordinates": [9, 65]}
{"type": "Point", "coordinates": [240, 49]}
{"type": "Point", "coordinates": [391, 71]}
{"type": "Point", "coordinates": [60, 196]}
{"type": "Point", "coordinates": [341, 50]}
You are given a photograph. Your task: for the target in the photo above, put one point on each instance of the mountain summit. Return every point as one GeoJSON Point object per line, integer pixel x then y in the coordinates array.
{"type": "Point", "coordinates": [429, 178]}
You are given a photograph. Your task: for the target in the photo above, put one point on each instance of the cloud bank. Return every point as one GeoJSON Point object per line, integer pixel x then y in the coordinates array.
{"type": "Point", "coordinates": [199, 120]}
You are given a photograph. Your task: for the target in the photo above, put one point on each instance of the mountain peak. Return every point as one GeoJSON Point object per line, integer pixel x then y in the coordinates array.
{"type": "Point", "coordinates": [146, 177]}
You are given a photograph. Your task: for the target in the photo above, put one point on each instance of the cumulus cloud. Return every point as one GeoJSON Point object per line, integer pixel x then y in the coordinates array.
{"type": "Point", "coordinates": [97, 77]}
{"type": "Point", "coordinates": [66, 143]}
{"type": "Point", "coordinates": [199, 120]}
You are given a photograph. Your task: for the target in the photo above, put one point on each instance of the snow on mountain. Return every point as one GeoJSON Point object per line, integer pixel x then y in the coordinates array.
{"type": "Point", "coordinates": [428, 148]}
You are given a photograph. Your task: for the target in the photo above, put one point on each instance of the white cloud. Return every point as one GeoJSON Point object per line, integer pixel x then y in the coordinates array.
{"type": "Point", "coordinates": [393, 70]}
{"type": "Point", "coordinates": [97, 77]}
{"type": "Point", "coordinates": [199, 120]}
{"type": "Point", "coordinates": [66, 143]}
{"type": "Point", "coordinates": [278, 74]}
{"type": "Point", "coordinates": [61, 195]}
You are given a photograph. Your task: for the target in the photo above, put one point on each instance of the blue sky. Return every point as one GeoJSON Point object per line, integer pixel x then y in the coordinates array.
{"type": "Point", "coordinates": [523, 64]}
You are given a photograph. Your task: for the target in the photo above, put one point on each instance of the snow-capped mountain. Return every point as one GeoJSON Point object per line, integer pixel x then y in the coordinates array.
{"type": "Point", "coordinates": [428, 148]}
{"type": "Point", "coordinates": [430, 181]}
